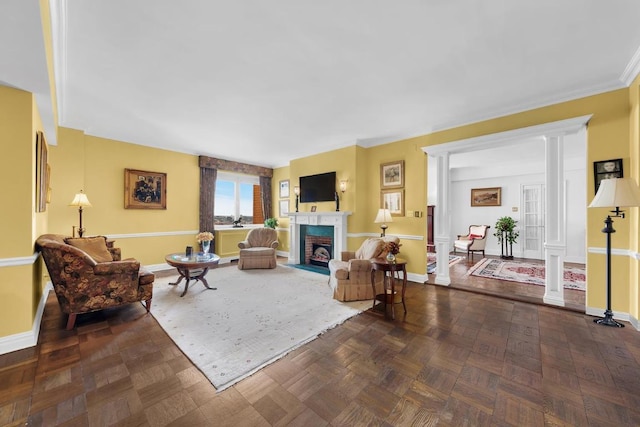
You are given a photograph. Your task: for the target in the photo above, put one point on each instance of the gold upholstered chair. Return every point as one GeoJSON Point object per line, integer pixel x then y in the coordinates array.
{"type": "Point", "coordinates": [350, 276]}
{"type": "Point", "coordinates": [89, 276]}
{"type": "Point", "coordinates": [258, 250]}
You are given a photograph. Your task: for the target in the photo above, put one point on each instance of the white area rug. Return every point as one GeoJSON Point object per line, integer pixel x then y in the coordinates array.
{"type": "Point", "coordinates": [254, 317]}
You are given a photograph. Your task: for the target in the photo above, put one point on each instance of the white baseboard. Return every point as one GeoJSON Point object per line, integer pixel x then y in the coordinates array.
{"type": "Point", "coordinates": [617, 315]}
{"type": "Point", "coordinates": [27, 339]}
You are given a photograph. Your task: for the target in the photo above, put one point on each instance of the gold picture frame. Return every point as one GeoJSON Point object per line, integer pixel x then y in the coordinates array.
{"type": "Point", "coordinates": [284, 208]}
{"type": "Point", "coordinates": [284, 188]}
{"type": "Point", "coordinates": [393, 200]}
{"type": "Point", "coordinates": [491, 196]}
{"type": "Point", "coordinates": [42, 175]}
{"type": "Point", "coordinates": [392, 174]}
{"type": "Point", "coordinates": [144, 189]}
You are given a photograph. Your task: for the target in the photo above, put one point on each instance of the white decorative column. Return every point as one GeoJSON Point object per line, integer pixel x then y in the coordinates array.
{"type": "Point", "coordinates": [555, 244]}
{"type": "Point", "coordinates": [338, 220]}
{"type": "Point", "coordinates": [442, 221]}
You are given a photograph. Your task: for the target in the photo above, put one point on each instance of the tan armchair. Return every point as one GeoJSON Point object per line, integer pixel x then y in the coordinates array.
{"type": "Point", "coordinates": [88, 276]}
{"type": "Point", "coordinates": [474, 241]}
{"type": "Point", "coordinates": [350, 276]}
{"type": "Point", "coordinates": [258, 250]}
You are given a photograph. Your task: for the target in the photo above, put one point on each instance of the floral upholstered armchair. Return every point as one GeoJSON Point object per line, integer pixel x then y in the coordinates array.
{"type": "Point", "coordinates": [88, 276]}
{"type": "Point", "coordinates": [350, 276]}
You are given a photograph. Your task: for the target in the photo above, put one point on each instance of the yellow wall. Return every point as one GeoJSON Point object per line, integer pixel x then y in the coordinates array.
{"type": "Point", "coordinates": [20, 281]}
{"type": "Point", "coordinates": [96, 165]}
{"type": "Point", "coordinates": [280, 174]}
{"type": "Point", "coordinates": [607, 138]}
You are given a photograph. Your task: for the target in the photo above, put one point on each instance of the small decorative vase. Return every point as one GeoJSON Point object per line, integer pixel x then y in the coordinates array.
{"type": "Point", "coordinates": [391, 257]}
{"type": "Point", "coordinates": [206, 245]}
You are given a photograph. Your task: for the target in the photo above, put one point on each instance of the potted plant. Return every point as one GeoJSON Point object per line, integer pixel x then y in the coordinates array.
{"type": "Point", "coordinates": [271, 223]}
{"type": "Point", "coordinates": [507, 235]}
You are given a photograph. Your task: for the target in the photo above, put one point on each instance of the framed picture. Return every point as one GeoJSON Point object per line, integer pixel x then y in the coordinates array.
{"type": "Point", "coordinates": [284, 208]}
{"type": "Point", "coordinates": [393, 200]}
{"type": "Point", "coordinates": [42, 176]}
{"type": "Point", "coordinates": [486, 196]}
{"type": "Point", "coordinates": [145, 190]}
{"type": "Point", "coordinates": [392, 174]}
{"type": "Point", "coordinates": [313, 208]}
{"type": "Point", "coordinates": [284, 188]}
{"type": "Point", "coordinates": [607, 169]}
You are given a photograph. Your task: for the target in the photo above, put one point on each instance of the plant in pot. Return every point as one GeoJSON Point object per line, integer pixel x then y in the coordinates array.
{"type": "Point", "coordinates": [271, 223]}
{"type": "Point", "coordinates": [507, 235]}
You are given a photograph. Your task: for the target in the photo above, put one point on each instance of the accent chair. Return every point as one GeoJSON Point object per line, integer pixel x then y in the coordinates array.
{"type": "Point", "coordinates": [89, 276]}
{"type": "Point", "coordinates": [350, 276]}
{"type": "Point", "coordinates": [474, 241]}
{"type": "Point", "coordinates": [258, 250]}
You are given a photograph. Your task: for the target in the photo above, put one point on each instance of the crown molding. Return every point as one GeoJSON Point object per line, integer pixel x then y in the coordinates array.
{"type": "Point", "coordinates": [528, 106]}
{"type": "Point", "coordinates": [58, 10]}
{"type": "Point", "coordinates": [632, 70]}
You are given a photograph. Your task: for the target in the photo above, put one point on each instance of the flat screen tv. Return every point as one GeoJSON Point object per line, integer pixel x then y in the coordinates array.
{"type": "Point", "coordinates": [318, 188]}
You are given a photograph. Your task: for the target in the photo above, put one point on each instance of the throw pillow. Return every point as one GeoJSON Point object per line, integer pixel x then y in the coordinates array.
{"type": "Point", "coordinates": [95, 247]}
{"type": "Point", "coordinates": [475, 236]}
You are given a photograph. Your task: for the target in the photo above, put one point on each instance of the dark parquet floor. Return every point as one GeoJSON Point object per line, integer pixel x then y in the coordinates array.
{"type": "Point", "coordinates": [456, 358]}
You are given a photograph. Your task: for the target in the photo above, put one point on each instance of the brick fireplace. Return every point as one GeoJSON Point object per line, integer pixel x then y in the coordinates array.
{"type": "Point", "coordinates": [301, 224]}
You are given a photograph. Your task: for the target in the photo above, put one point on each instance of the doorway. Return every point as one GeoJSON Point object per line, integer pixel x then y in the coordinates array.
{"type": "Point", "coordinates": [532, 221]}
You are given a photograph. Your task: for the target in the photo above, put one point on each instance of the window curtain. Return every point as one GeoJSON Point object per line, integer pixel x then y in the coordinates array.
{"type": "Point", "coordinates": [265, 194]}
{"type": "Point", "coordinates": [208, 173]}
{"type": "Point", "coordinates": [207, 198]}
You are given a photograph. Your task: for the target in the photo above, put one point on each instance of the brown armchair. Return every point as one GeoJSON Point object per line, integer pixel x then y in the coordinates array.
{"type": "Point", "coordinates": [474, 241]}
{"type": "Point", "coordinates": [350, 276]}
{"type": "Point", "coordinates": [258, 250]}
{"type": "Point", "coordinates": [88, 276]}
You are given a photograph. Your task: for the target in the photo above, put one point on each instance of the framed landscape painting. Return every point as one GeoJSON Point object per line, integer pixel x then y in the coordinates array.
{"type": "Point", "coordinates": [486, 196]}
{"type": "Point", "coordinates": [144, 189]}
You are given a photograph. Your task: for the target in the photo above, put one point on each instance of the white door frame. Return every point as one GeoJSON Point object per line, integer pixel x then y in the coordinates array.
{"type": "Point", "coordinates": [555, 219]}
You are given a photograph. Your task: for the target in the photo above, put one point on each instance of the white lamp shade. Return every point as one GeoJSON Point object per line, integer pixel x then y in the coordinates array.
{"type": "Point", "coordinates": [616, 192]}
{"type": "Point", "coordinates": [81, 200]}
{"type": "Point", "coordinates": [384, 215]}
{"type": "Point", "coordinates": [296, 190]}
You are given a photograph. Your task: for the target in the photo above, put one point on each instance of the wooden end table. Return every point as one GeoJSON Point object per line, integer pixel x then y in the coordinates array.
{"type": "Point", "coordinates": [391, 271]}
{"type": "Point", "coordinates": [192, 267]}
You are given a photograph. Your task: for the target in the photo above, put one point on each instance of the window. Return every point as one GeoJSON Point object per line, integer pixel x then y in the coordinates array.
{"type": "Point", "coordinates": [235, 198]}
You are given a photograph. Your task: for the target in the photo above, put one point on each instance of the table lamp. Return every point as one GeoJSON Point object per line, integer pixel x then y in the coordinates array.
{"type": "Point", "coordinates": [80, 200]}
{"type": "Point", "coordinates": [384, 216]}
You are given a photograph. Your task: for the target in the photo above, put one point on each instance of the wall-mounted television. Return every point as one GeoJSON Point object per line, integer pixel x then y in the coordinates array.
{"type": "Point", "coordinates": [318, 188]}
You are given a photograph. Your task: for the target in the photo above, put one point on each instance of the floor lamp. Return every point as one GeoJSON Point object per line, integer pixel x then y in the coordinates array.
{"type": "Point", "coordinates": [614, 193]}
{"type": "Point", "coordinates": [384, 216]}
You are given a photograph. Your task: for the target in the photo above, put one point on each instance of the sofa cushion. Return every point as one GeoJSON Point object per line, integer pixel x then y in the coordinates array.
{"type": "Point", "coordinates": [95, 247]}
{"type": "Point", "coordinates": [370, 248]}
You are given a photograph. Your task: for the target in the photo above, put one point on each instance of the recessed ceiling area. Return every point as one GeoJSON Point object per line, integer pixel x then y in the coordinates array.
{"type": "Point", "coordinates": [265, 83]}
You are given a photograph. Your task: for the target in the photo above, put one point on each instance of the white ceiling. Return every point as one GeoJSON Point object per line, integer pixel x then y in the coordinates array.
{"type": "Point", "coordinates": [268, 82]}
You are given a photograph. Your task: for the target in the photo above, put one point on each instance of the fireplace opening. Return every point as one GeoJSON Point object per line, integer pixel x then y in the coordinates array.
{"type": "Point", "coordinates": [318, 250]}
{"type": "Point", "coordinates": [320, 254]}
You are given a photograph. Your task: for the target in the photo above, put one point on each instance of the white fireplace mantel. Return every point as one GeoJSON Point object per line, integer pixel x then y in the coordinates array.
{"type": "Point", "coordinates": [338, 220]}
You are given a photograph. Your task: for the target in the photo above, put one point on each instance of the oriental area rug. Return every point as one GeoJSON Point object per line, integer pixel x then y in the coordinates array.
{"type": "Point", "coordinates": [524, 272]}
{"type": "Point", "coordinates": [253, 318]}
{"type": "Point", "coordinates": [431, 261]}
